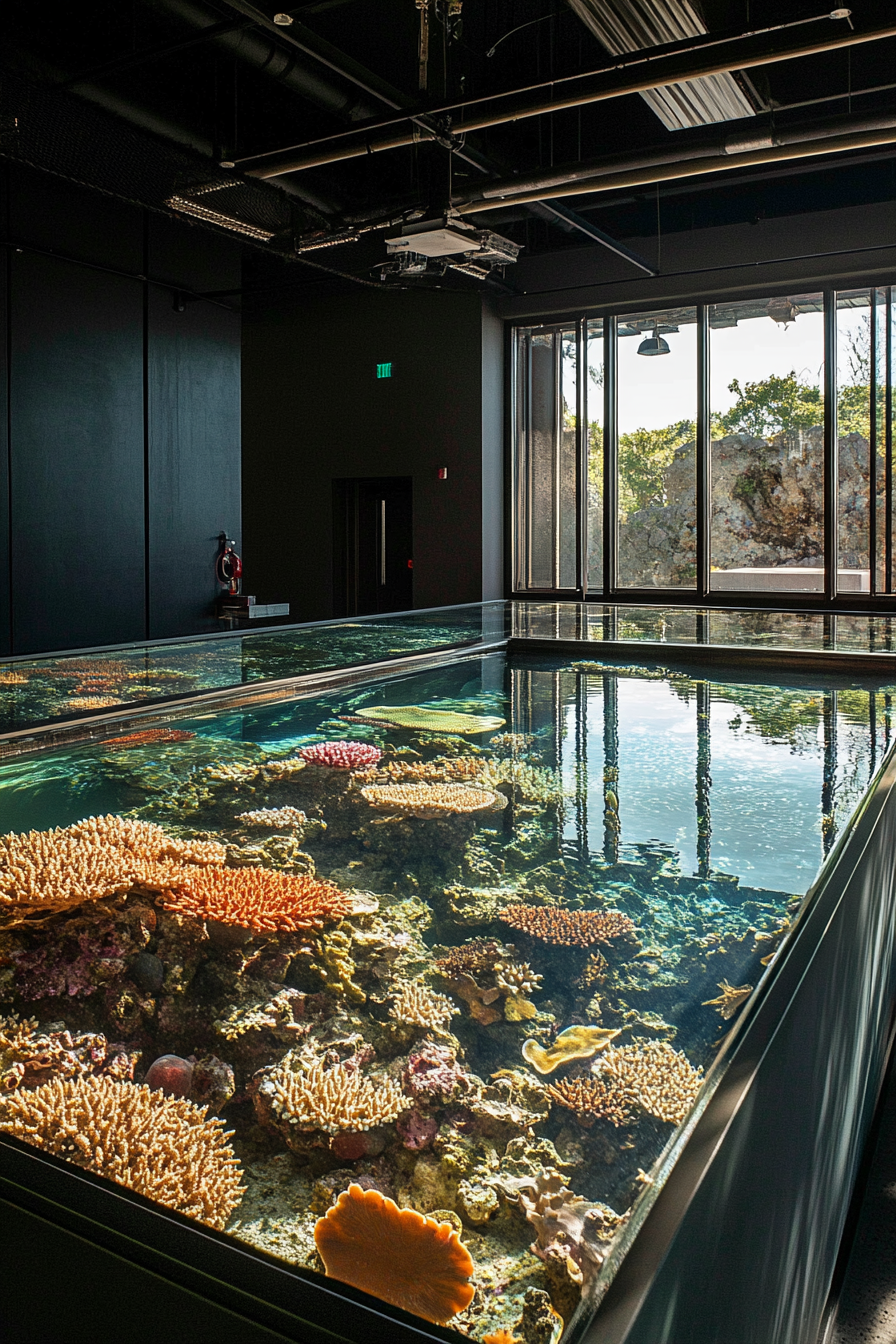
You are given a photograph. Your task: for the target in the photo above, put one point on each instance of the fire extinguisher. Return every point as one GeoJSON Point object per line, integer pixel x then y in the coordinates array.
{"type": "Point", "coordinates": [228, 566]}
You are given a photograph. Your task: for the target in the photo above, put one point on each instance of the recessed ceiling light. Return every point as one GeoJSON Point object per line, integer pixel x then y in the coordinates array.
{"type": "Point", "coordinates": [226, 163]}
{"type": "Point", "coordinates": [283, 20]}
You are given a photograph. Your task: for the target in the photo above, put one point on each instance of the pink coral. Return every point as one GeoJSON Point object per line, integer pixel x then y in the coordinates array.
{"type": "Point", "coordinates": [417, 1130]}
{"type": "Point", "coordinates": [433, 1073]}
{"type": "Point", "coordinates": [342, 755]}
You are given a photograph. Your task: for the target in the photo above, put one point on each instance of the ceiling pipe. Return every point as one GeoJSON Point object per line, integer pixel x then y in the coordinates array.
{"type": "Point", "coordinates": [741, 53]}
{"type": "Point", "coordinates": [738, 142]}
{"type": "Point", "coordinates": [614, 179]}
{"type": "Point", "coordinates": [270, 58]}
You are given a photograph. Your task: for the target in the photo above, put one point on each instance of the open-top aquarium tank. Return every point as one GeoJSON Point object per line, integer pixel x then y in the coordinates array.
{"type": "Point", "coordinates": [417, 984]}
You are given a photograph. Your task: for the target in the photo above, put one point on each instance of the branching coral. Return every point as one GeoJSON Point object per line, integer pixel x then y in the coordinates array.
{"type": "Point", "coordinates": [662, 1081]}
{"type": "Point", "coordinates": [278, 1014]}
{"type": "Point", "coordinates": [395, 1254]}
{"type": "Point", "coordinates": [268, 772]}
{"type": "Point", "coordinates": [432, 800]}
{"type": "Point", "coordinates": [341, 755]}
{"type": "Point", "coordinates": [592, 1097]}
{"type": "Point", "coordinates": [29, 1056]}
{"type": "Point", "coordinates": [510, 744]}
{"type": "Point", "coordinates": [92, 701]}
{"type": "Point", "coordinates": [533, 783]}
{"type": "Point", "coordinates": [730, 999]}
{"type": "Point", "coordinates": [568, 928]}
{"type": "Point", "coordinates": [517, 981]}
{"type": "Point", "coordinates": [10, 678]}
{"type": "Point", "coordinates": [42, 872]}
{"type": "Point", "coordinates": [273, 817]}
{"type": "Point", "coordinates": [335, 1097]}
{"type": "Point", "coordinates": [472, 958]}
{"type": "Point", "coordinates": [422, 1007]}
{"type": "Point", "coordinates": [161, 1147]}
{"type": "Point", "coordinates": [260, 899]}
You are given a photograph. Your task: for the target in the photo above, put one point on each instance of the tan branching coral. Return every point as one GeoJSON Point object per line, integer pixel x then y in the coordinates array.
{"type": "Point", "coordinates": [568, 928]}
{"type": "Point", "coordinates": [267, 771]}
{"type": "Point", "coordinates": [9, 678]}
{"type": "Point", "coordinates": [517, 980]}
{"type": "Point", "coordinates": [395, 1254]}
{"type": "Point", "coordinates": [432, 800]}
{"type": "Point", "coordinates": [510, 744]}
{"type": "Point", "coordinates": [159, 1146]}
{"type": "Point", "coordinates": [29, 1057]}
{"type": "Point", "coordinates": [273, 817]}
{"type": "Point", "coordinates": [730, 999]}
{"type": "Point", "coordinates": [42, 872]}
{"type": "Point", "coordinates": [592, 1097]}
{"type": "Point", "coordinates": [472, 958]}
{"type": "Point", "coordinates": [660, 1080]}
{"type": "Point", "coordinates": [422, 1007]}
{"type": "Point", "coordinates": [261, 899]}
{"type": "Point", "coordinates": [92, 701]}
{"type": "Point", "coordinates": [335, 1097]}
{"type": "Point", "coordinates": [534, 783]}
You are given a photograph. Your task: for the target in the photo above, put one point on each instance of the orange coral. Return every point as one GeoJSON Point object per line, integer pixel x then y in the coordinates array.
{"type": "Point", "coordinates": [500, 1336]}
{"type": "Point", "coordinates": [395, 1254]}
{"type": "Point", "coordinates": [10, 678]}
{"type": "Point", "coordinates": [569, 928]}
{"type": "Point", "coordinates": [148, 735]}
{"type": "Point", "coordinates": [260, 899]}
{"type": "Point", "coordinates": [42, 872]}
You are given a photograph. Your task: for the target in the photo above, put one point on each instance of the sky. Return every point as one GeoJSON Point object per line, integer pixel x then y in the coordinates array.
{"type": "Point", "coordinates": [659, 391]}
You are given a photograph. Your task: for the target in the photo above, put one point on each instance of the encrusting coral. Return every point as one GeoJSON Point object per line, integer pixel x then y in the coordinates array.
{"type": "Point", "coordinates": [660, 1080]}
{"type": "Point", "coordinates": [341, 755]}
{"type": "Point", "coordinates": [42, 872]}
{"type": "Point", "coordinates": [568, 928]}
{"type": "Point", "coordinates": [261, 899]}
{"type": "Point", "coordinates": [432, 800]}
{"type": "Point", "coordinates": [395, 1254]}
{"type": "Point", "coordinates": [423, 718]}
{"type": "Point", "coordinates": [335, 1097]}
{"type": "Point", "coordinates": [573, 1043]}
{"type": "Point", "coordinates": [420, 1006]}
{"type": "Point", "coordinates": [161, 1147]}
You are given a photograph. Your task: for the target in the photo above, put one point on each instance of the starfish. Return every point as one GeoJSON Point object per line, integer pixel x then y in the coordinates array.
{"type": "Point", "coordinates": [730, 999]}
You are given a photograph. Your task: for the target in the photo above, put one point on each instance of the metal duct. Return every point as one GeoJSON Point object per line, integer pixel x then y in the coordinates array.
{"type": "Point", "coordinates": [636, 25]}
{"type": "Point", "coordinates": [838, 137]}
{"type": "Point", "coordinates": [272, 60]}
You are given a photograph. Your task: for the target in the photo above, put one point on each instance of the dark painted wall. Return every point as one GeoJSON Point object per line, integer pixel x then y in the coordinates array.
{"type": "Point", "coordinates": [314, 411]}
{"type": "Point", "coordinates": [123, 458]}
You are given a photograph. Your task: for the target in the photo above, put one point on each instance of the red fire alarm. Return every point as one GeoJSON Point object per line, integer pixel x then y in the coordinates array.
{"type": "Point", "coordinates": [443, 473]}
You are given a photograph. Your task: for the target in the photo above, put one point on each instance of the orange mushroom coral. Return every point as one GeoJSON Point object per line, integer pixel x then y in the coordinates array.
{"type": "Point", "coordinates": [395, 1254]}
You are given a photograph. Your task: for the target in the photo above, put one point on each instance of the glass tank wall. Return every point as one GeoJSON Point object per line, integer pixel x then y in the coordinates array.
{"type": "Point", "coordinates": [727, 447]}
{"type": "Point", "coordinates": [417, 983]}
{"type": "Point", "coordinates": [35, 690]}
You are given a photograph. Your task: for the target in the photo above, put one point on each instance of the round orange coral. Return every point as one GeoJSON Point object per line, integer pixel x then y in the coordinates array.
{"type": "Point", "coordinates": [395, 1254]}
{"type": "Point", "coordinates": [261, 899]}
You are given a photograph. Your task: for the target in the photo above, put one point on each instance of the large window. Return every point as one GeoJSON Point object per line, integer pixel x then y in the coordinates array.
{"type": "Point", "coordinates": [743, 446]}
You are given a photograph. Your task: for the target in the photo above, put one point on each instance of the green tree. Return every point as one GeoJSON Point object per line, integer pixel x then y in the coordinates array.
{"type": "Point", "coordinates": [644, 456]}
{"type": "Point", "coordinates": [774, 405]}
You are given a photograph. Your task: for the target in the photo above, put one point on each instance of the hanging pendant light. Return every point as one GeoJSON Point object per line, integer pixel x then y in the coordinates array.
{"type": "Point", "coordinates": [654, 345]}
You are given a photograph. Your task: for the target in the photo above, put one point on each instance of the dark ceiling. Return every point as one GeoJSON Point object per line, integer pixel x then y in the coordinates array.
{"type": "Point", "coordinates": [147, 99]}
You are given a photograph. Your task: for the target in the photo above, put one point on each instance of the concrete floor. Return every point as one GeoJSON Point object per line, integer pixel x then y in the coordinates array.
{"type": "Point", "coordinates": [867, 1309]}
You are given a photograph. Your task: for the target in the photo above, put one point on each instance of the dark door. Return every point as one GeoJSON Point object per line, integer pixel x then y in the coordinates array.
{"type": "Point", "coordinates": [372, 537]}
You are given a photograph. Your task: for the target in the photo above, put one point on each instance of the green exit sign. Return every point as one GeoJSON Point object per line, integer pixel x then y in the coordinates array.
{"type": "Point", "coordinates": [384, 370]}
